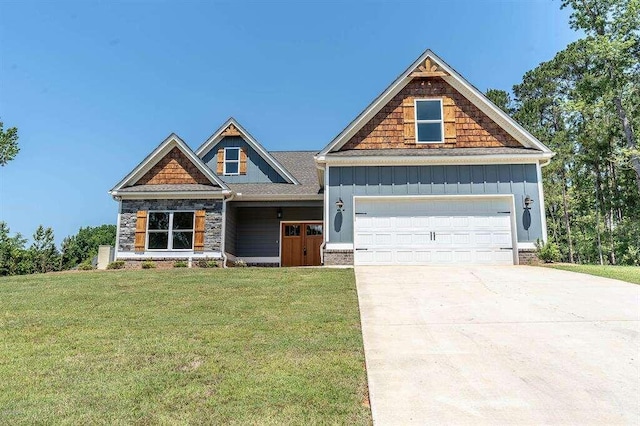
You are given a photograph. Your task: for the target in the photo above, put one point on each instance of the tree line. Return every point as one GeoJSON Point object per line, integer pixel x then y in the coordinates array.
{"type": "Point", "coordinates": [584, 104]}
{"type": "Point", "coordinates": [16, 258]}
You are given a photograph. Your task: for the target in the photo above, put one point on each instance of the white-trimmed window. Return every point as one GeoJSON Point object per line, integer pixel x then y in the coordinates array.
{"type": "Point", "coordinates": [429, 123]}
{"type": "Point", "coordinates": [170, 230]}
{"type": "Point", "coordinates": [232, 161]}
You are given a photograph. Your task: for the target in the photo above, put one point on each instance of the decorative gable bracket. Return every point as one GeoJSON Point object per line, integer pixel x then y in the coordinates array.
{"type": "Point", "coordinates": [428, 68]}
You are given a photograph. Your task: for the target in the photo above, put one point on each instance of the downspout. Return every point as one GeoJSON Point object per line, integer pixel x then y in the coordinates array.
{"type": "Point", "coordinates": [223, 238]}
{"type": "Point", "coordinates": [324, 208]}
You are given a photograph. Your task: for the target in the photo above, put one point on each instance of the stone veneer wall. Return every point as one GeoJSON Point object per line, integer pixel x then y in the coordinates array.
{"type": "Point", "coordinates": [213, 220]}
{"type": "Point", "coordinates": [338, 257]}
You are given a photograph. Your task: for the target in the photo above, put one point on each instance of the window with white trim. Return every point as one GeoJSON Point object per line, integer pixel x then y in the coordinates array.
{"type": "Point", "coordinates": [232, 161]}
{"type": "Point", "coordinates": [170, 230]}
{"type": "Point", "coordinates": [429, 124]}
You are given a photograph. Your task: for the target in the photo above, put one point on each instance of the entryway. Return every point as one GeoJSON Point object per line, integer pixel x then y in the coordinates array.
{"type": "Point", "coordinates": [300, 243]}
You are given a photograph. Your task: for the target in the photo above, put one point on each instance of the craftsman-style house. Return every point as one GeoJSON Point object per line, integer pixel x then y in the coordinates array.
{"type": "Point", "coordinates": [431, 172]}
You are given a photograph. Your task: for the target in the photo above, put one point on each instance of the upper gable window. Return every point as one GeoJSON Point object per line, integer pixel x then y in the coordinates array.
{"type": "Point", "coordinates": [232, 161]}
{"type": "Point", "coordinates": [429, 126]}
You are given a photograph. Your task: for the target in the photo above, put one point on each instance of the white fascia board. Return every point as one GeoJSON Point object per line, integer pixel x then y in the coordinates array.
{"type": "Point", "coordinates": [261, 197]}
{"type": "Point", "coordinates": [434, 160]}
{"type": "Point", "coordinates": [456, 81]}
{"type": "Point", "coordinates": [217, 137]}
{"type": "Point", "coordinates": [187, 195]}
{"type": "Point", "coordinates": [157, 154]}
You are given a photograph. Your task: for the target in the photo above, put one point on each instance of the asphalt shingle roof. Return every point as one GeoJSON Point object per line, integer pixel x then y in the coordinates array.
{"type": "Point", "coordinates": [300, 164]}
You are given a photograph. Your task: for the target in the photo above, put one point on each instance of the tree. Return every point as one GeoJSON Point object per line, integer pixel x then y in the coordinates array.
{"type": "Point", "coordinates": [43, 251]}
{"type": "Point", "coordinates": [584, 104]}
{"type": "Point", "coordinates": [84, 245]}
{"type": "Point", "coordinates": [8, 144]}
{"type": "Point", "coordinates": [501, 98]}
{"type": "Point", "coordinates": [14, 258]}
{"type": "Point", "coordinates": [613, 40]}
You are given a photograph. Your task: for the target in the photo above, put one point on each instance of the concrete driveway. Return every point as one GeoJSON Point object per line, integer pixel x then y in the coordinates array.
{"type": "Point", "coordinates": [499, 345]}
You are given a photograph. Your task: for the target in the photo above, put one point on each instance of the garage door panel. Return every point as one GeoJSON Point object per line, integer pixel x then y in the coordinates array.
{"type": "Point", "coordinates": [438, 231]}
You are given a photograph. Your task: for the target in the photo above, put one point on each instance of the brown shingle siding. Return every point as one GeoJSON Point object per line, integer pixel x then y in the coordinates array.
{"type": "Point", "coordinates": [174, 169]}
{"type": "Point", "coordinates": [473, 128]}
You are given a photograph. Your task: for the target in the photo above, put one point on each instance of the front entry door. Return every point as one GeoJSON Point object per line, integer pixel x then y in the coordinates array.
{"type": "Point", "coordinates": [301, 244]}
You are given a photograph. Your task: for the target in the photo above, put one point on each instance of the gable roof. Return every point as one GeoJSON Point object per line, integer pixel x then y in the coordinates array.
{"type": "Point", "coordinates": [428, 65]}
{"type": "Point", "coordinates": [171, 142]}
{"type": "Point", "coordinates": [232, 128]}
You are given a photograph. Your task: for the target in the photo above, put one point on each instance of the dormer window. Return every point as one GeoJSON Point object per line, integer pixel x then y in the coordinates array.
{"type": "Point", "coordinates": [429, 126]}
{"type": "Point", "coordinates": [232, 161]}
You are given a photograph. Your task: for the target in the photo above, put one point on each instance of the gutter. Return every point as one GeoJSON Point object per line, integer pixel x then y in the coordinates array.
{"type": "Point", "coordinates": [433, 160]}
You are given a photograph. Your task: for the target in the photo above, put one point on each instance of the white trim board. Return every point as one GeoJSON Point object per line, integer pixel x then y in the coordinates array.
{"type": "Point", "coordinates": [217, 136]}
{"type": "Point", "coordinates": [457, 82]}
{"type": "Point", "coordinates": [124, 255]}
{"type": "Point", "coordinates": [432, 160]}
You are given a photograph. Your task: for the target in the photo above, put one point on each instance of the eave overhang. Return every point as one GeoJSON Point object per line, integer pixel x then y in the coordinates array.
{"type": "Point", "coordinates": [542, 157]}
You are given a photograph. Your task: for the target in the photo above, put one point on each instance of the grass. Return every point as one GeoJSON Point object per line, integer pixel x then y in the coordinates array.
{"type": "Point", "coordinates": [629, 274]}
{"type": "Point", "coordinates": [237, 346]}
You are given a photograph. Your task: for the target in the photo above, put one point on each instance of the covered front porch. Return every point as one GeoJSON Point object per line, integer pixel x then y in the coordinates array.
{"type": "Point", "coordinates": [274, 233]}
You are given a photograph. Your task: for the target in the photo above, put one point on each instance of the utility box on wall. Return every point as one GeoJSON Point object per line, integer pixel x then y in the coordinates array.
{"type": "Point", "coordinates": [105, 256]}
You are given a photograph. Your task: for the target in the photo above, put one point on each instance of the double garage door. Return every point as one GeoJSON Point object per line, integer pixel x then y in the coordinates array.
{"type": "Point", "coordinates": [447, 230]}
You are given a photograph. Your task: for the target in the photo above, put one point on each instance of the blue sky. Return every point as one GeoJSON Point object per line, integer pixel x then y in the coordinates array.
{"type": "Point", "coordinates": [93, 87]}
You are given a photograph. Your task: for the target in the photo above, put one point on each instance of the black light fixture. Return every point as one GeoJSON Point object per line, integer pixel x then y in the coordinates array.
{"type": "Point", "coordinates": [527, 202]}
{"type": "Point", "coordinates": [279, 213]}
{"type": "Point", "coordinates": [339, 204]}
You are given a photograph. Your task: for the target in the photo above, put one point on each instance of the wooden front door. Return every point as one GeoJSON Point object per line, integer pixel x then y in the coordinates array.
{"type": "Point", "coordinates": [301, 244]}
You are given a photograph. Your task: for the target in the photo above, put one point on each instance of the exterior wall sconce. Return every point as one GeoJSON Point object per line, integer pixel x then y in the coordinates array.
{"type": "Point", "coordinates": [527, 202]}
{"type": "Point", "coordinates": [339, 205]}
{"type": "Point", "coordinates": [279, 213]}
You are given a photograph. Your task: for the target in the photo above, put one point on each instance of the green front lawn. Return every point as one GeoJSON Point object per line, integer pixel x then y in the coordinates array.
{"type": "Point", "coordinates": [624, 273]}
{"type": "Point", "coordinates": [244, 346]}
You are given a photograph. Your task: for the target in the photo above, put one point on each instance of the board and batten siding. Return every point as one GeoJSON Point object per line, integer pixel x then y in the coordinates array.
{"type": "Point", "coordinates": [258, 170]}
{"type": "Point", "coordinates": [517, 179]}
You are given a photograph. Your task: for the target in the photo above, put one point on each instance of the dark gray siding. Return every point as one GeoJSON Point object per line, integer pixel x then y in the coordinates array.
{"type": "Point", "coordinates": [258, 170]}
{"type": "Point", "coordinates": [230, 229]}
{"type": "Point", "coordinates": [517, 179]}
{"type": "Point", "coordinates": [258, 228]}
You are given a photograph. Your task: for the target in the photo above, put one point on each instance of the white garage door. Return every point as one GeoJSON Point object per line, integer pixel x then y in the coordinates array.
{"type": "Point", "coordinates": [393, 230]}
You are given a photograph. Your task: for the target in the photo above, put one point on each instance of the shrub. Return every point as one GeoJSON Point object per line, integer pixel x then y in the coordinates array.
{"type": "Point", "coordinates": [207, 263]}
{"type": "Point", "coordinates": [180, 264]}
{"type": "Point", "coordinates": [239, 263]}
{"type": "Point", "coordinates": [85, 266]}
{"type": "Point", "coordinates": [148, 264]}
{"type": "Point", "coordinates": [549, 252]}
{"type": "Point", "coordinates": [118, 264]}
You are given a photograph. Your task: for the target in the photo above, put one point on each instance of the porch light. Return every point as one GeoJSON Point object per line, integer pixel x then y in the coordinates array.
{"type": "Point", "coordinates": [527, 202]}
{"type": "Point", "coordinates": [279, 213]}
{"type": "Point", "coordinates": [339, 204]}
